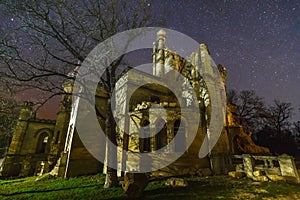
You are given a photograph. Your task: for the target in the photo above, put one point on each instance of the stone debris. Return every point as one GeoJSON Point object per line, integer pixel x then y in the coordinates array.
{"type": "Point", "coordinates": [43, 177]}
{"type": "Point", "coordinates": [260, 178]}
{"type": "Point", "coordinates": [134, 184]}
{"type": "Point", "coordinates": [258, 173]}
{"type": "Point", "coordinates": [274, 177]}
{"type": "Point", "coordinates": [176, 182]}
{"type": "Point", "coordinates": [40, 146]}
{"type": "Point", "coordinates": [236, 175]}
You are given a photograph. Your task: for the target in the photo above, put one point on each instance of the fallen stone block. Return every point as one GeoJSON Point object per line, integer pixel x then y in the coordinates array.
{"type": "Point", "coordinates": [276, 177]}
{"type": "Point", "coordinates": [235, 174]}
{"type": "Point", "coordinates": [134, 184]}
{"type": "Point", "coordinates": [258, 173]}
{"type": "Point", "coordinates": [260, 178]}
{"type": "Point", "coordinates": [176, 182]}
{"type": "Point", "coordinates": [43, 177]}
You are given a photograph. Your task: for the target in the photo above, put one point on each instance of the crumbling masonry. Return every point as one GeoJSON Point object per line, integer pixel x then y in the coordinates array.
{"type": "Point", "coordinates": [39, 146]}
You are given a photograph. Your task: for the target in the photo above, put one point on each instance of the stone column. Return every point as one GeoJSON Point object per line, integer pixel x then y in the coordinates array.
{"type": "Point", "coordinates": [170, 136]}
{"type": "Point", "coordinates": [152, 138]}
{"type": "Point", "coordinates": [141, 140]}
{"type": "Point", "coordinates": [161, 39]}
{"type": "Point", "coordinates": [125, 142]}
{"type": "Point", "coordinates": [154, 59]}
{"type": "Point", "coordinates": [248, 165]}
{"type": "Point", "coordinates": [60, 167]}
{"type": "Point", "coordinates": [288, 167]}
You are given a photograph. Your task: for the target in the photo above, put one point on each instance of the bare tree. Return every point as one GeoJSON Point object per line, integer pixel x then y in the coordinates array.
{"type": "Point", "coordinates": [279, 114]}
{"type": "Point", "coordinates": [250, 109]}
{"type": "Point", "coordinates": [296, 128]}
{"type": "Point", "coordinates": [296, 132]}
{"type": "Point", "coordinates": [277, 133]}
{"type": "Point", "coordinates": [232, 97]}
{"type": "Point", "coordinates": [9, 111]}
{"type": "Point", "coordinates": [270, 124]}
{"type": "Point", "coordinates": [50, 38]}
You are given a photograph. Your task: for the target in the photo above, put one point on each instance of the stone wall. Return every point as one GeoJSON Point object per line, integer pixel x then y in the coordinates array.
{"type": "Point", "coordinates": [264, 168]}
{"type": "Point", "coordinates": [30, 145]}
{"type": "Point", "coordinates": [148, 104]}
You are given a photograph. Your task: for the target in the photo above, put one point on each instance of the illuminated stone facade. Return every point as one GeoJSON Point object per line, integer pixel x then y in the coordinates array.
{"type": "Point", "coordinates": [39, 146]}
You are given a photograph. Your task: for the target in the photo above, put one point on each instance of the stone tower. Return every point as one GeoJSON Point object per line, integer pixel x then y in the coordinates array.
{"type": "Point", "coordinates": [26, 114]}
{"type": "Point", "coordinates": [62, 121]}
{"type": "Point", "coordinates": [30, 146]}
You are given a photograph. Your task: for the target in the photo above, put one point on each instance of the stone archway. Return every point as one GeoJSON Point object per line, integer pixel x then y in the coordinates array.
{"type": "Point", "coordinates": [42, 143]}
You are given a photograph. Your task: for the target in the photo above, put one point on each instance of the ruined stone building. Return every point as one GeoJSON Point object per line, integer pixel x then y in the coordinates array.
{"type": "Point", "coordinates": [39, 146]}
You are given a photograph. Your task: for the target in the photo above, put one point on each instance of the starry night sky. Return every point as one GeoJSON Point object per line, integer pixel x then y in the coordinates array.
{"type": "Point", "coordinates": [258, 41]}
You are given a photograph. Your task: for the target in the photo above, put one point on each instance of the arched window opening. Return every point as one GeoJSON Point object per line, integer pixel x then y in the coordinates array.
{"type": "Point", "coordinates": [179, 132]}
{"type": "Point", "coordinates": [42, 143]}
{"type": "Point", "coordinates": [161, 136]}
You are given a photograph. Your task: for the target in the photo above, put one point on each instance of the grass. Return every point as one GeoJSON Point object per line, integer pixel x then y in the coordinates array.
{"type": "Point", "coordinates": [91, 187]}
{"type": "Point", "coordinates": [85, 187]}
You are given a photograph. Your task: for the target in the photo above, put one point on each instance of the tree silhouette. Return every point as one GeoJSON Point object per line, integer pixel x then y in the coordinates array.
{"type": "Point", "coordinates": [279, 114]}
{"type": "Point", "coordinates": [250, 109]}
{"type": "Point", "coordinates": [51, 38]}
{"type": "Point", "coordinates": [9, 111]}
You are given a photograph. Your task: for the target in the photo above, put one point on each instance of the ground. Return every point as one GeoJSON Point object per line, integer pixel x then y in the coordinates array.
{"type": "Point", "coordinates": [91, 187]}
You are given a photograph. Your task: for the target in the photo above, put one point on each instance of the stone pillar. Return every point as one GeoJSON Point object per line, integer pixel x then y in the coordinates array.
{"type": "Point", "coordinates": [170, 136]}
{"type": "Point", "coordinates": [248, 165]}
{"type": "Point", "coordinates": [42, 169]}
{"type": "Point", "coordinates": [218, 163]}
{"type": "Point", "coordinates": [205, 60]}
{"type": "Point", "coordinates": [161, 39]}
{"type": "Point", "coordinates": [26, 113]}
{"type": "Point", "coordinates": [152, 138]}
{"type": "Point", "coordinates": [61, 129]}
{"type": "Point", "coordinates": [160, 59]}
{"type": "Point", "coordinates": [60, 168]}
{"type": "Point", "coordinates": [12, 165]}
{"type": "Point", "coordinates": [141, 139]}
{"type": "Point", "coordinates": [288, 167]}
{"type": "Point", "coordinates": [154, 59]}
{"type": "Point", "coordinates": [271, 163]}
{"type": "Point", "coordinates": [125, 141]}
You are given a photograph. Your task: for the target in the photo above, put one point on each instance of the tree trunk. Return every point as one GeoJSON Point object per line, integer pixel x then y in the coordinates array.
{"type": "Point", "coordinates": [111, 179]}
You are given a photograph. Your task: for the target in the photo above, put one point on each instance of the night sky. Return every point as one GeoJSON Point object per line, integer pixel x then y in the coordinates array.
{"type": "Point", "coordinates": [258, 41]}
